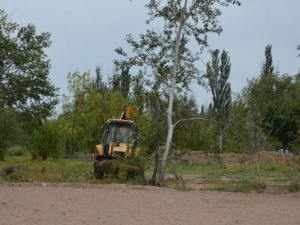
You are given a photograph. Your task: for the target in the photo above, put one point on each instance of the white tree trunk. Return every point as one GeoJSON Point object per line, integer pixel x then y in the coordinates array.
{"type": "Point", "coordinates": [163, 164]}
{"type": "Point", "coordinates": [221, 141]}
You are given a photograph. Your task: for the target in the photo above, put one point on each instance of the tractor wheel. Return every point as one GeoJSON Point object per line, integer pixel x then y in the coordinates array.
{"type": "Point", "coordinates": [105, 167]}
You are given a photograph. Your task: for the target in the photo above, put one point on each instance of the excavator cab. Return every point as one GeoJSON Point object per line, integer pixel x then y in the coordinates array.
{"type": "Point", "coordinates": [119, 139]}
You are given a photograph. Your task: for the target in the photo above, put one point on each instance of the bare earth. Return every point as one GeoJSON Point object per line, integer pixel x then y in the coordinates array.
{"type": "Point", "coordinates": [22, 204]}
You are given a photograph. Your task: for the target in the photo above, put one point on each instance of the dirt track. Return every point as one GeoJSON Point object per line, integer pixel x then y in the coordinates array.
{"type": "Point", "coordinates": [121, 204]}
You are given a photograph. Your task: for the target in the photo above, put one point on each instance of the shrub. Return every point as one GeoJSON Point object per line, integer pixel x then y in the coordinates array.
{"type": "Point", "coordinates": [16, 151]}
{"type": "Point", "coordinates": [10, 130]}
{"type": "Point", "coordinates": [48, 141]}
{"type": "Point", "coordinates": [2, 152]}
{"type": "Point", "coordinates": [293, 187]}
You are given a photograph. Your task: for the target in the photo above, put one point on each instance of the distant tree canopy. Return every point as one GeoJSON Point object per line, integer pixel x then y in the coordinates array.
{"type": "Point", "coordinates": [24, 69]}
{"type": "Point", "coordinates": [272, 105]}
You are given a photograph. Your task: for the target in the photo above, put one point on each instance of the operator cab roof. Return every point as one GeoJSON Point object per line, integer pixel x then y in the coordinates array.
{"type": "Point", "coordinates": [120, 121]}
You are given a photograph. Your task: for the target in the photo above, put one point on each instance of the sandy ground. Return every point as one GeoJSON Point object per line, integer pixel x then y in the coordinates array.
{"type": "Point", "coordinates": [22, 204]}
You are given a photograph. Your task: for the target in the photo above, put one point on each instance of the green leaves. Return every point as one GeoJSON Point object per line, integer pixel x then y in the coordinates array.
{"type": "Point", "coordinates": [86, 109]}
{"type": "Point", "coordinates": [24, 70]}
{"type": "Point", "coordinates": [10, 131]}
{"type": "Point", "coordinates": [268, 67]}
{"type": "Point", "coordinates": [218, 71]}
{"type": "Point", "coordinates": [48, 141]}
{"type": "Point", "coordinates": [273, 104]}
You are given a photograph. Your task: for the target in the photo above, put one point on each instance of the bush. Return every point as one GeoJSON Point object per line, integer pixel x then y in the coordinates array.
{"type": "Point", "coordinates": [293, 187]}
{"type": "Point", "coordinates": [2, 152]}
{"type": "Point", "coordinates": [16, 151]}
{"type": "Point", "coordinates": [47, 142]}
{"type": "Point", "coordinates": [10, 131]}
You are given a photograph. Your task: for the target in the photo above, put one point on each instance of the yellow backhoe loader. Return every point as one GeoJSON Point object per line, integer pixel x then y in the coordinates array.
{"type": "Point", "coordinates": [119, 139]}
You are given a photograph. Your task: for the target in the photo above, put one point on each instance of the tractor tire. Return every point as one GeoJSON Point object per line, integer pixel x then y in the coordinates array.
{"type": "Point", "coordinates": [105, 167]}
{"type": "Point", "coordinates": [110, 167]}
{"type": "Point", "coordinates": [134, 171]}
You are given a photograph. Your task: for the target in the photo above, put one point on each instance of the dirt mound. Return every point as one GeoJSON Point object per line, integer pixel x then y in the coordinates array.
{"type": "Point", "coordinates": [195, 157]}
{"type": "Point", "coordinates": [200, 157]}
{"type": "Point", "coordinates": [274, 157]}
{"type": "Point", "coordinates": [267, 156]}
{"type": "Point", "coordinates": [232, 158]}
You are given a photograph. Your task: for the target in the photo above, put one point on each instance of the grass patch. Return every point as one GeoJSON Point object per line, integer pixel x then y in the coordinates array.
{"type": "Point", "coordinates": [240, 177]}
{"type": "Point", "coordinates": [293, 187]}
{"type": "Point", "coordinates": [243, 185]}
{"type": "Point", "coordinates": [61, 170]}
{"type": "Point", "coordinates": [233, 186]}
{"type": "Point", "coordinates": [16, 151]}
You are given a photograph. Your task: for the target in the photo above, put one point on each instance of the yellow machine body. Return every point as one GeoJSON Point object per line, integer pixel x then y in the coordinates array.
{"type": "Point", "coordinates": [119, 138]}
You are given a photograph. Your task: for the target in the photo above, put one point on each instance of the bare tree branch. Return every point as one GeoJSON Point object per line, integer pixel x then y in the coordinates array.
{"type": "Point", "coordinates": [194, 118]}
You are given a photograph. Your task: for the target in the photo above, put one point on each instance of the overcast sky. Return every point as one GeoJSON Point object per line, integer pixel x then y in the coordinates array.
{"type": "Point", "coordinates": [84, 34]}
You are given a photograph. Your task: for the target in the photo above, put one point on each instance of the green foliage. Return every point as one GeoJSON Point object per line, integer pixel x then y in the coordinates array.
{"type": "Point", "coordinates": [80, 87]}
{"type": "Point", "coordinates": [130, 170]}
{"type": "Point", "coordinates": [88, 107]}
{"type": "Point", "coordinates": [121, 82]}
{"type": "Point", "coordinates": [218, 71]}
{"type": "Point", "coordinates": [10, 131]}
{"type": "Point", "coordinates": [268, 67]}
{"type": "Point", "coordinates": [293, 187]}
{"type": "Point", "coordinates": [272, 112]}
{"type": "Point", "coordinates": [47, 142]}
{"type": "Point", "coordinates": [2, 153]}
{"type": "Point", "coordinates": [98, 84]}
{"type": "Point", "coordinates": [54, 171]}
{"type": "Point", "coordinates": [24, 68]}
{"type": "Point", "coordinates": [187, 134]}
{"type": "Point", "coordinates": [16, 151]}
{"type": "Point", "coordinates": [139, 95]}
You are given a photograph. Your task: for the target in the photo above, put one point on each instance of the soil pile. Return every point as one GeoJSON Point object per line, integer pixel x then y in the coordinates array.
{"type": "Point", "coordinates": [200, 157]}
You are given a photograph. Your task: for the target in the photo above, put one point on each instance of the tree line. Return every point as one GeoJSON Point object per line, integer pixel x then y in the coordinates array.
{"type": "Point", "coordinates": [155, 79]}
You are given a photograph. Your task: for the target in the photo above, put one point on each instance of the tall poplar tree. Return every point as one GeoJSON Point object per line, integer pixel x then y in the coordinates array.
{"type": "Point", "coordinates": [218, 71]}
{"type": "Point", "coordinates": [268, 67]}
